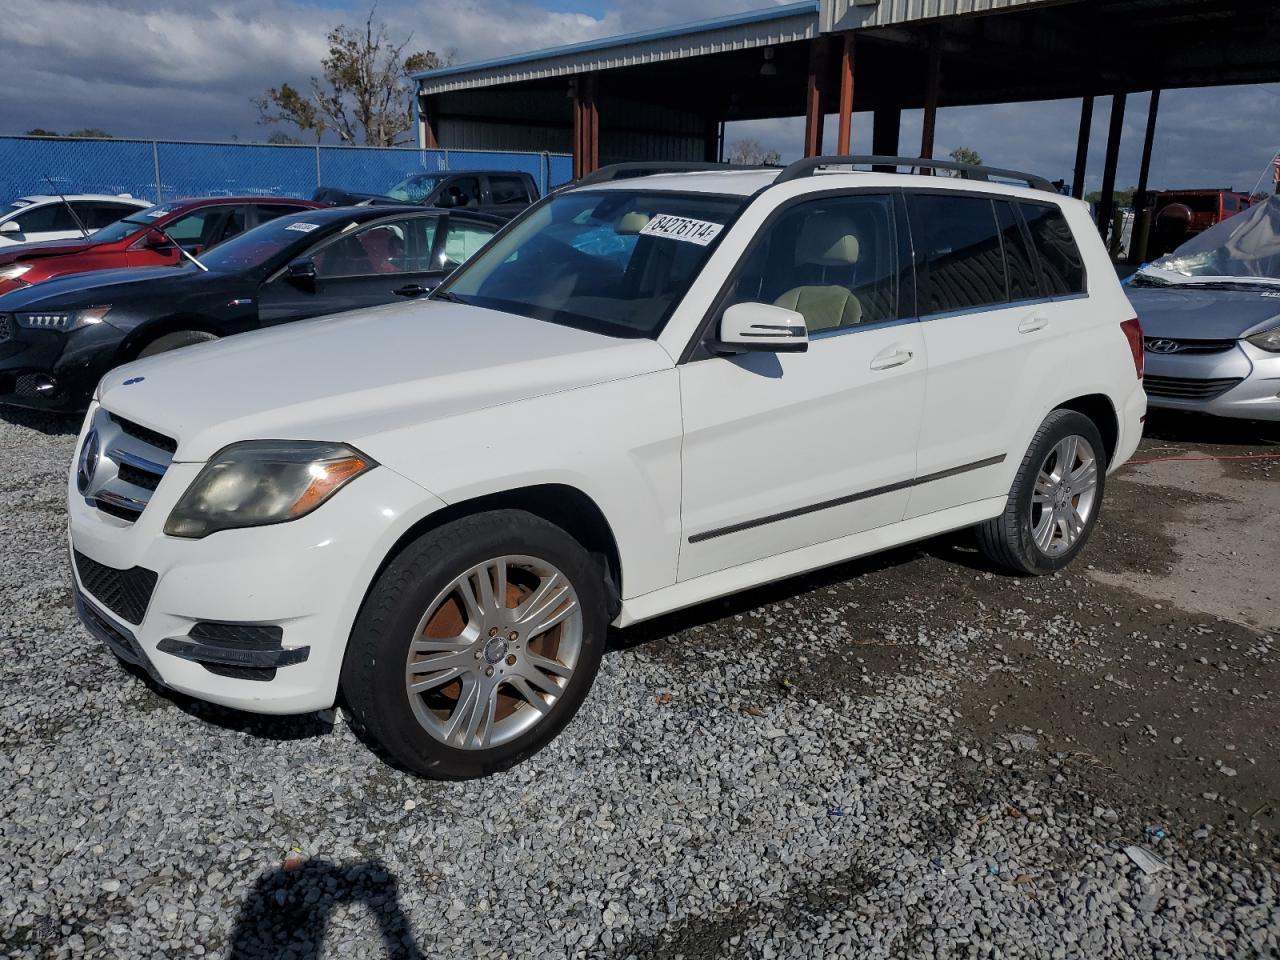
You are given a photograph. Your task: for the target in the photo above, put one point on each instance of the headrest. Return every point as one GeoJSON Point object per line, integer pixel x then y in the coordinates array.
{"type": "Point", "coordinates": [828, 240]}
{"type": "Point", "coordinates": [632, 222]}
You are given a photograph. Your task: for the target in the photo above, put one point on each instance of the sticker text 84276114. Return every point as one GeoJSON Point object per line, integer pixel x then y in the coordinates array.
{"type": "Point", "coordinates": [700, 232]}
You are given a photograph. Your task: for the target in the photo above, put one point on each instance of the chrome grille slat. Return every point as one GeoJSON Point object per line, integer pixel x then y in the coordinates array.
{"type": "Point", "coordinates": [133, 463]}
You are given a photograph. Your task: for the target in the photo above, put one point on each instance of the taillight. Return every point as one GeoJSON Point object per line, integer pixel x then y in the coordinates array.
{"type": "Point", "coordinates": [1133, 333]}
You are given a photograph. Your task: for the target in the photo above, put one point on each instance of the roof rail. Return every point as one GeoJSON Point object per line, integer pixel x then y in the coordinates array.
{"type": "Point", "coordinates": [968, 171]}
{"type": "Point", "coordinates": [644, 168]}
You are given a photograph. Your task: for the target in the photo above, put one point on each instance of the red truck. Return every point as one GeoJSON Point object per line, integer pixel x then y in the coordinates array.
{"type": "Point", "coordinates": [138, 240]}
{"type": "Point", "coordinates": [1179, 215]}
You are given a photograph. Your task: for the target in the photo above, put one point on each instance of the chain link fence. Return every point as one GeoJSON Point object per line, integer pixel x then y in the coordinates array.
{"type": "Point", "coordinates": [162, 170]}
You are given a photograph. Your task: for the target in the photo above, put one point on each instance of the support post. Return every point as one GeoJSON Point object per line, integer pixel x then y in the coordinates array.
{"type": "Point", "coordinates": [1141, 215]}
{"type": "Point", "coordinates": [813, 112]}
{"type": "Point", "coordinates": [844, 129]}
{"type": "Point", "coordinates": [886, 124]}
{"type": "Point", "coordinates": [428, 130]}
{"type": "Point", "coordinates": [586, 126]}
{"type": "Point", "coordinates": [1106, 206]}
{"type": "Point", "coordinates": [1082, 147]}
{"type": "Point", "coordinates": [933, 80]}
{"type": "Point", "coordinates": [710, 139]}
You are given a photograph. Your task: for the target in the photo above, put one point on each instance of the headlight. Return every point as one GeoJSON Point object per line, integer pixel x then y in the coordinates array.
{"type": "Point", "coordinates": [1268, 340]}
{"type": "Point", "coordinates": [264, 481]}
{"type": "Point", "coordinates": [14, 271]}
{"type": "Point", "coordinates": [63, 319]}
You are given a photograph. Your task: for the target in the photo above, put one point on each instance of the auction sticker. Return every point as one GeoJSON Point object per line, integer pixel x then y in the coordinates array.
{"type": "Point", "coordinates": [302, 227]}
{"type": "Point", "coordinates": [700, 232]}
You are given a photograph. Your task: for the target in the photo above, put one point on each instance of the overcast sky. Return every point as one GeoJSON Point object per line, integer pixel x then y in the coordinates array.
{"type": "Point", "coordinates": [187, 71]}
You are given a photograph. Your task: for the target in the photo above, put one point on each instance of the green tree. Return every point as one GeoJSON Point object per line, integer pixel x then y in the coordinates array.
{"type": "Point", "coordinates": [280, 137]}
{"type": "Point", "coordinates": [1123, 198]}
{"type": "Point", "coordinates": [966, 155]}
{"type": "Point", "coordinates": [365, 95]}
{"type": "Point", "coordinates": [91, 133]}
{"type": "Point", "coordinates": [40, 132]}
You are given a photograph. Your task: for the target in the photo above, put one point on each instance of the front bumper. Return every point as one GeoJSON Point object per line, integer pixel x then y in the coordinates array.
{"type": "Point", "coordinates": [1249, 380]}
{"type": "Point", "coordinates": [307, 578]}
{"type": "Point", "coordinates": [51, 370]}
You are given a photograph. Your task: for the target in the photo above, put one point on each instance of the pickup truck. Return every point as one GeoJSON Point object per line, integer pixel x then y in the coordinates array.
{"type": "Point", "coordinates": [503, 193]}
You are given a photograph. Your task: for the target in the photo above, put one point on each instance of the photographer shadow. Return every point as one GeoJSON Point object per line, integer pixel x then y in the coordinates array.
{"type": "Point", "coordinates": [288, 912]}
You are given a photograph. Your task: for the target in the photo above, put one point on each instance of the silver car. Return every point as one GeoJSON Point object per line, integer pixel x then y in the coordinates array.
{"type": "Point", "coordinates": [1210, 314]}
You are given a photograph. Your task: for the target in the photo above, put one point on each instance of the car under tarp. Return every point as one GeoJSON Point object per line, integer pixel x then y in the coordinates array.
{"type": "Point", "coordinates": [1244, 246]}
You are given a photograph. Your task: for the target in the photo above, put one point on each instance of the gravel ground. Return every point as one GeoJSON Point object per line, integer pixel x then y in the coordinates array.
{"type": "Point", "coordinates": [908, 756]}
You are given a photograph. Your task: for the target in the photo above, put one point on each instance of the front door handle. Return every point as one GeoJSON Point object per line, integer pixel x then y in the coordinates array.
{"type": "Point", "coordinates": [895, 357]}
{"type": "Point", "coordinates": [1032, 324]}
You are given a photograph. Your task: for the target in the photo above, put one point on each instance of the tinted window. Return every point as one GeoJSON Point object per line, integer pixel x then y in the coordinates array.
{"type": "Point", "coordinates": [269, 211]}
{"type": "Point", "coordinates": [833, 260]}
{"type": "Point", "coordinates": [1061, 267]}
{"type": "Point", "coordinates": [47, 218]}
{"type": "Point", "coordinates": [959, 242]}
{"type": "Point", "coordinates": [199, 228]}
{"type": "Point", "coordinates": [390, 247]}
{"type": "Point", "coordinates": [508, 190]}
{"type": "Point", "coordinates": [1021, 270]}
{"type": "Point", "coordinates": [97, 214]}
{"type": "Point", "coordinates": [465, 191]}
{"type": "Point", "coordinates": [233, 224]}
{"type": "Point", "coordinates": [461, 241]}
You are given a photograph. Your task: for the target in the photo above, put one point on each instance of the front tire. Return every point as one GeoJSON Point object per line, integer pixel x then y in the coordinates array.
{"type": "Point", "coordinates": [1054, 501]}
{"type": "Point", "coordinates": [476, 645]}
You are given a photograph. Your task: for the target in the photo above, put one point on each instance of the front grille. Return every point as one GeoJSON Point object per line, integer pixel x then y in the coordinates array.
{"type": "Point", "coordinates": [6, 329]}
{"type": "Point", "coordinates": [125, 593]}
{"type": "Point", "coordinates": [147, 435]}
{"type": "Point", "coordinates": [132, 462]}
{"type": "Point", "coordinates": [1187, 388]}
{"type": "Point", "coordinates": [1163, 348]}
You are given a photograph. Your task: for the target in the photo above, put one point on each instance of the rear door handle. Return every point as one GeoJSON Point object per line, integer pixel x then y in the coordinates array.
{"type": "Point", "coordinates": [894, 357]}
{"type": "Point", "coordinates": [411, 290]}
{"type": "Point", "coordinates": [1032, 324]}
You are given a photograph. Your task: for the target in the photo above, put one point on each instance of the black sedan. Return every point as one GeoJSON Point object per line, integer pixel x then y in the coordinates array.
{"type": "Point", "coordinates": [59, 337]}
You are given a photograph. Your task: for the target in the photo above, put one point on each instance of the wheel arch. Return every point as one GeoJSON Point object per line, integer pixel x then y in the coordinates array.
{"type": "Point", "coordinates": [561, 504]}
{"type": "Point", "coordinates": [1099, 409]}
{"type": "Point", "coordinates": [144, 333]}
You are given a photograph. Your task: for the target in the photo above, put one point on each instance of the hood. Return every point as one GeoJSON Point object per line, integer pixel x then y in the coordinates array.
{"type": "Point", "coordinates": [1187, 313]}
{"type": "Point", "coordinates": [42, 248]}
{"type": "Point", "coordinates": [95, 287]}
{"type": "Point", "coordinates": [353, 376]}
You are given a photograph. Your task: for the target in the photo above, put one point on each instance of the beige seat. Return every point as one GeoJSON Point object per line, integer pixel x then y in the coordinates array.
{"type": "Point", "coordinates": [826, 240]}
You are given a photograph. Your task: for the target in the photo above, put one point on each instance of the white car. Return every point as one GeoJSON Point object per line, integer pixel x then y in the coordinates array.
{"type": "Point", "coordinates": [38, 218]}
{"type": "Point", "coordinates": [641, 395]}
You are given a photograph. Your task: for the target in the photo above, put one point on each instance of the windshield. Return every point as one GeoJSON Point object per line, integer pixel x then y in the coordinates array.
{"type": "Point", "coordinates": [1243, 250]}
{"type": "Point", "coordinates": [121, 228]}
{"type": "Point", "coordinates": [416, 188]}
{"type": "Point", "coordinates": [262, 244]}
{"type": "Point", "coordinates": [612, 261]}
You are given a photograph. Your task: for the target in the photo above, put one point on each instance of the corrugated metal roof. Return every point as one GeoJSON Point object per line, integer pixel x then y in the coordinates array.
{"type": "Point", "coordinates": [755, 28]}
{"type": "Point", "coordinates": [858, 14]}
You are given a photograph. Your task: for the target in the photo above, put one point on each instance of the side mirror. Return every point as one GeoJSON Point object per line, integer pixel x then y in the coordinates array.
{"type": "Point", "coordinates": [302, 274]}
{"type": "Point", "coordinates": [157, 241]}
{"type": "Point", "coordinates": [762, 326]}
{"type": "Point", "coordinates": [10, 226]}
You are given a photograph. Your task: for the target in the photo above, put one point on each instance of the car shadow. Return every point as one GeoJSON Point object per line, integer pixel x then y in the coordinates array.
{"type": "Point", "coordinates": [50, 424]}
{"type": "Point", "coordinates": [288, 911]}
{"type": "Point", "coordinates": [1174, 426]}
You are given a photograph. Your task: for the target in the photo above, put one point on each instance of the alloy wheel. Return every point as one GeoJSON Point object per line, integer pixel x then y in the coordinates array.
{"type": "Point", "coordinates": [1064, 496]}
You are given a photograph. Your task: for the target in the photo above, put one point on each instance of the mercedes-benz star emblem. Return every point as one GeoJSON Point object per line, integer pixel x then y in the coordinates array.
{"type": "Point", "coordinates": [1163, 346]}
{"type": "Point", "coordinates": [87, 465]}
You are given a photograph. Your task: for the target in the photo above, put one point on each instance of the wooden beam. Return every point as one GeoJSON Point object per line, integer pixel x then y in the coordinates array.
{"type": "Point", "coordinates": [813, 112]}
{"type": "Point", "coordinates": [1082, 147]}
{"type": "Point", "coordinates": [586, 125]}
{"type": "Point", "coordinates": [933, 80]}
{"type": "Point", "coordinates": [428, 120]}
{"type": "Point", "coordinates": [1107, 205]}
{"type": "Point", "coordinates": [844, 130]}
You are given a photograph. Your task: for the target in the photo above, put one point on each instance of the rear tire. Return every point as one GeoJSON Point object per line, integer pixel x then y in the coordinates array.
{"type": "Point", "coordinates": [172, 341]}
{"type": "Point", "coordinates": [1053, 504]}
{"type": "Point", "coordinates": [476, 645]}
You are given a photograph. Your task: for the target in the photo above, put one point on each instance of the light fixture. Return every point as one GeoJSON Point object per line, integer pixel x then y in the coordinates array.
{"type": "Point", "coordinates": [768, 68]}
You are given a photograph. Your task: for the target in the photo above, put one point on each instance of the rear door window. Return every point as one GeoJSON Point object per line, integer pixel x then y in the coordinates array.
{"type": "Point", "coordinates": [1061, 266]}
{"type": "Point", "coordinates": [47, 218]}
{"type": "Point", "coordinates": [507, 190]}
{"type": "Point", "coordinates": [269, 211]}
{"type": "Point", "coordinates": [1024, 280]}
{"type": "Point", "coordinates": [957, 240]}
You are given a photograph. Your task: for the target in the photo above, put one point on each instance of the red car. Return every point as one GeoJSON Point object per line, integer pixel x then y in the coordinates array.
{"type": "Point", "coordinates": [136, 240]}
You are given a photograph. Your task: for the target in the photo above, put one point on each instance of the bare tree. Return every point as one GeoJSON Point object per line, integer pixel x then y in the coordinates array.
{"type": "Point", "coordinates": [365, 95]}
{"type": "Point", "coordinates": [750, 152]}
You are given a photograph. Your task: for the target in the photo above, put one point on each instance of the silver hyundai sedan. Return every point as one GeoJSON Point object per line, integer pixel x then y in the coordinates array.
{"type": "Point", "coordinates": [1210, 314]}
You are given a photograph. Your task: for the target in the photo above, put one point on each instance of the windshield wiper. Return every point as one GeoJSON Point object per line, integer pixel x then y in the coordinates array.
{"type": "Point", "coordinates": [186, 253]}
{"type": "Point", "coordinates": [446, 296]}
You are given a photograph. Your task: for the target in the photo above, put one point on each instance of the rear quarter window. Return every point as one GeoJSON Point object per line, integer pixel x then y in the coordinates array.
{"type": "Point", "coordinates": [1061, 266]}
{"type": "Point", "coordinates": [958, 240]}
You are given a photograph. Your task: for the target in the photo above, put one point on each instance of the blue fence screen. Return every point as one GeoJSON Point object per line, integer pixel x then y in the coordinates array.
{"type": "Point", "coordinates": [162, 170]}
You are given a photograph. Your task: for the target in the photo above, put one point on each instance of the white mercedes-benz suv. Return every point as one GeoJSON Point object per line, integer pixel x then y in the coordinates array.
{"type": "Point", "coordinates": [642, 394]}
